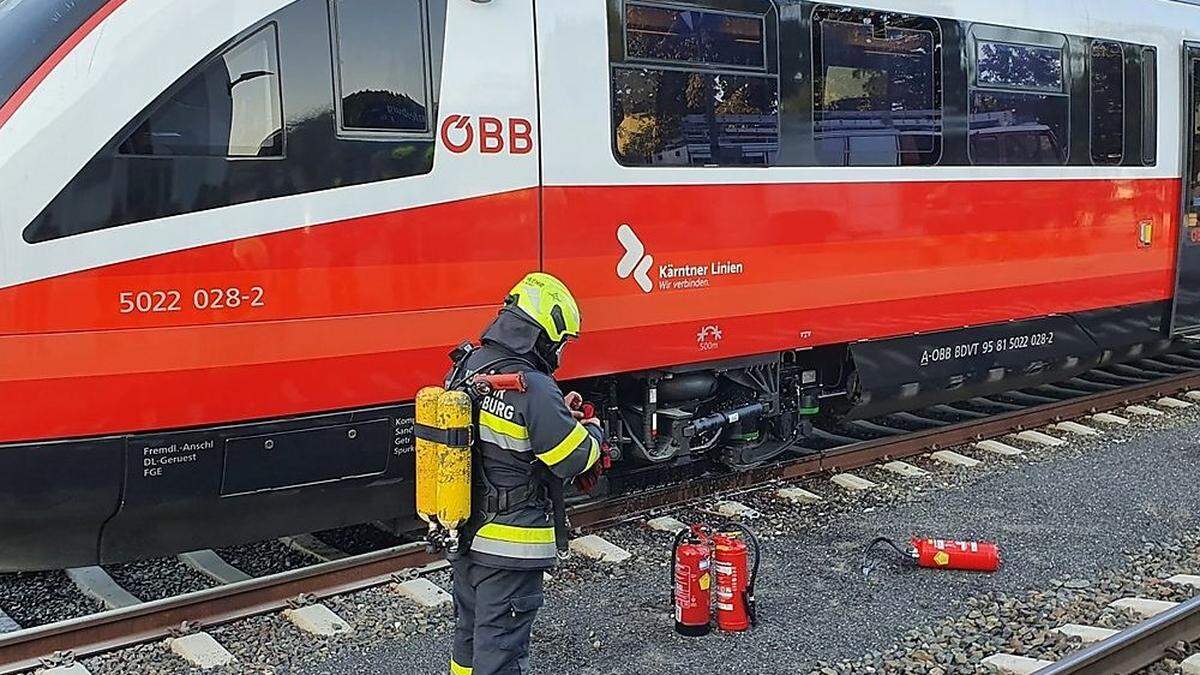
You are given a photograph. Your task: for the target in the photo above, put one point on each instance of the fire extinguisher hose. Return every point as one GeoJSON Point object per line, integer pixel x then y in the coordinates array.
{"type": "Point", "coordinates": [868, 566]}
{"type": "Point", "coordinates": [751, 606]}
{"type": "Point", "coordinates": [679, 539]}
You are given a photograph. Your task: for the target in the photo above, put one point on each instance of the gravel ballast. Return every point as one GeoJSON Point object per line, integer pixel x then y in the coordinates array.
{"type": "Point", "coordinates": [158, 578]}
{"type": "Point", "coordinates": [1071, 522]}
{"type": "Point", "coordinates": [265, 558]}
{"type": "Point", "coordinates": [359, 539]}
{"type": "Point", "coordinates": [1024, 624]}
{"type": "Point", "coordinates": [37, 598]}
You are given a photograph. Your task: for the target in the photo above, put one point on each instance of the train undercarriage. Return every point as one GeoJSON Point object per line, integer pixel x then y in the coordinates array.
{"type": "Point", "coordinates": [741, 413]}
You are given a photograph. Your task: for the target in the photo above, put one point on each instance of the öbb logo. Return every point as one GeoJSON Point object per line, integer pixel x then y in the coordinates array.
{"type": "Point", "coordinates": [492, 135]}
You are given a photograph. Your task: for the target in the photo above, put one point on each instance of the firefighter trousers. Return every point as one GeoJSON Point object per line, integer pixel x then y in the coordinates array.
{"type": "Point", "coordinates": [494, 610]}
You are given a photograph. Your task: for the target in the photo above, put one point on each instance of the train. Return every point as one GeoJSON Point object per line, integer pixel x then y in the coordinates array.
{"type": "Point", "coordinates": [237, 238]}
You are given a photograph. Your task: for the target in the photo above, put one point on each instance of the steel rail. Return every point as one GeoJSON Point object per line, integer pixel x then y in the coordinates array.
{"type": "Point", "coordinates": [148, 621]}
{"type": "Point", "coordinates": [125, 627]}
{"type": "Point", "coordinates": [1135, 648]}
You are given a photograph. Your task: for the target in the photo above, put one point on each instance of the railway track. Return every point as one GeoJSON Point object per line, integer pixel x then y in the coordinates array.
{"type": "Point", "coordinates": [1137, 647]}
{"type": "Point", "coordinates": [976, 421]}
{"type": "Point", "coordinates": [1151, 624]}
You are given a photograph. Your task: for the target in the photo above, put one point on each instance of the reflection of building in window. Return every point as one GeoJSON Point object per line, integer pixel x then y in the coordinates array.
{"type": "Point", "coordinates": [877, 88]}
{"type": "Point", "coordinates": [707, 93]}
{"type": "Point", "coordinates": [231, 108]}
{"type": "Point", "coordinates": [1019, 107]}
{"type": "Point", "coordinates": [739, 139]}
{"type": "Point", "coordinates": [1016, 129]}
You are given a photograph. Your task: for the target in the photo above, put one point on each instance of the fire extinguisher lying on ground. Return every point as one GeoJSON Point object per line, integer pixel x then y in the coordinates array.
{"type": "Point", "coordinates": [701, 555]}
{"type": "Point", "coordinates": [941, 554]}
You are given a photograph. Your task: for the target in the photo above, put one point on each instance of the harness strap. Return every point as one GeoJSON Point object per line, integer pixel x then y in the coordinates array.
{"type": "Point", "coordinates": [460, 376]}
{"type": "Point", "coordinates": [503, 501]}
{"type": "Point", "coordinates": [460, 437]}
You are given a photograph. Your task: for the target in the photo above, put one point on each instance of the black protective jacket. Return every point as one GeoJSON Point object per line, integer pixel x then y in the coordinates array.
{"type": "Point", "coordinates": [525, 441]}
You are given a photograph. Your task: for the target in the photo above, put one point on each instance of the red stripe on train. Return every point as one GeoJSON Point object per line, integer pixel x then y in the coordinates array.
{"type": "Point", "coordinates": [363, 311]}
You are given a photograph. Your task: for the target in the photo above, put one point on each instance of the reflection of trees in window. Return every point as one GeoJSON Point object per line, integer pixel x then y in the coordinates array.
{"type": "Point", "coordinates": [317, 161]}
{"type": "Point", "coordinates": [1020, 66]}
{"type": "Point", "coordinates": [693, 36]}
{"type": "Point", "coordinates": [231, 108]}
{"type": "Point", "coordinates": [1108, 102]}
{"type": "Point", "coordinates": [877, 88]}
{"type": "Point", "coordinates": [648, 109]}
{"type": "Point", "coordinates": [1019, 109]}
{"type": "Point", "coordinates": [383, 110]}
{"type": "Point", "coordinates": [670, 117]}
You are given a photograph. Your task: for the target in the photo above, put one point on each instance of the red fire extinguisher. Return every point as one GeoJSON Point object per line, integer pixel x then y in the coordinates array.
{"type": "Point", "coordinates": [691, 582]}
{"type": "Point", "coordinates": [735, 579]}
{"type": "Point", "coordinates": [698, 552]}
{"type": "Point", "coordinates": [942, 554]}
{"type": "Point", "coordinates": [970, 556]}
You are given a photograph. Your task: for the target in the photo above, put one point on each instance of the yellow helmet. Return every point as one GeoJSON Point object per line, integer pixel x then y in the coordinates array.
{"type": "Point", "coordinates": [549, 303]}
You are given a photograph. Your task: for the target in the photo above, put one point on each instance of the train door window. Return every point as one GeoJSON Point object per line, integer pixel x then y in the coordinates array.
{"type": "Point", "coordinates": [1019, 106]}
{"type": "Point", "coordinates": [230, 108]}
{"type": "Point", "coordinates": [384, 73]}
{"type": "Point", "coordinates": [1149, 106]}
{"type": "Point", "coordinates": [877, 88]}
{"type": "Point", "coordinates": [1107, 102]}
{"type": "Point", "coordinates": [696, 85]}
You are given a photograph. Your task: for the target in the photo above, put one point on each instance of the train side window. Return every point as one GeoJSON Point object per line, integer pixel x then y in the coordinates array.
{"type": "Point", "coordinates": [1149, 106]}
{"type": "Point", "coordinates": [696, 87]}
{"type": "Point", "coordinates": [383, 72]}
{"type": "Point", "coordinates": [877, 88]}
{"type": "Point", "coordinates": [1108, 102]}
{"type": "Point", "coordinates": [230, 108]}
{"type": "Point", "coordinates": [1019, 106]}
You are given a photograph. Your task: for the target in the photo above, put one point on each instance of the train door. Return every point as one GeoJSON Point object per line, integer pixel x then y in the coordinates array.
{"type": "Point", "coordinates": [1186, 316]}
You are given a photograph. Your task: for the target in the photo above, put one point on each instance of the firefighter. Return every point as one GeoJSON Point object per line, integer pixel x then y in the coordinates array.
{"type": "Point", "coordinates": [528, 445]}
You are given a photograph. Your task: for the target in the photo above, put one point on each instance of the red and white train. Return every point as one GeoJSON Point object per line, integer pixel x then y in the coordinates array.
{"type": "Point", "coordinates": [237, 237]}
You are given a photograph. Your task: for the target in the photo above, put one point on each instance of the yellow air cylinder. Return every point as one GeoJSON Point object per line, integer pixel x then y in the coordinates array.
{"type": "Point", "coordinates": [428, 455]}
{"type": "Point", "coordinates": [454, 467]}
